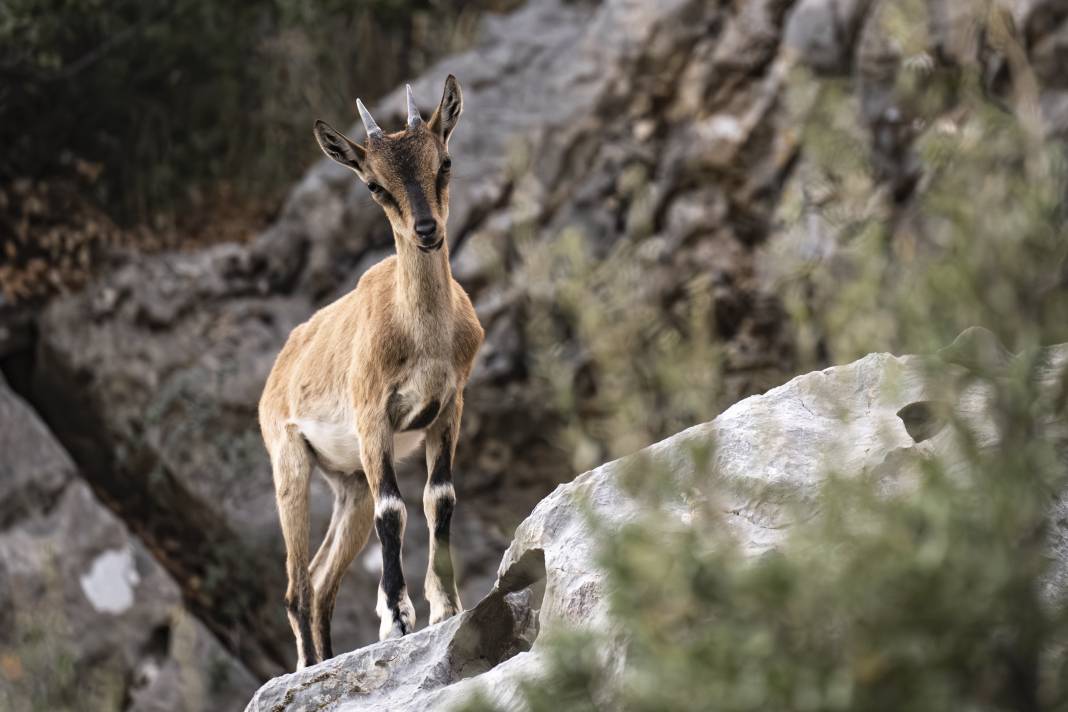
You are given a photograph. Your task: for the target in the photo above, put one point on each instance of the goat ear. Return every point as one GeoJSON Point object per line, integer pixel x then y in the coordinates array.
{"type": "Point", "coordinates": [341, 148]}
{"type": "Point", "coordinates": [448, 112]}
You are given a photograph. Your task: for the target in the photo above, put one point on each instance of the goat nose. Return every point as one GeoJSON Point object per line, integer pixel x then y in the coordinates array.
{"type": "Point", "coordinates": [426, 228]}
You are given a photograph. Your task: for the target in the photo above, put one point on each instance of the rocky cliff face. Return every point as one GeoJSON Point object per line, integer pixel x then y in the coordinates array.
{"type": "Point", "coordinates": [864, 418]}
{"type": "Point", "coordinates": [661, 123]}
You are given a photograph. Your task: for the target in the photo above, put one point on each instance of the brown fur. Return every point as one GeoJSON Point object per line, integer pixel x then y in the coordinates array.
{"type": "Point", "coordinates": [351, 380]}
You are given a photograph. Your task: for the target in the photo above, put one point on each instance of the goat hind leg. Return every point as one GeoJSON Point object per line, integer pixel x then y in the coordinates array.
{"type": "Point", "coordinates": [350, 527]}
{"type": "Point", "coordinates": [317, 564]}
{"type": "Point", "coordinates": [291, 466]}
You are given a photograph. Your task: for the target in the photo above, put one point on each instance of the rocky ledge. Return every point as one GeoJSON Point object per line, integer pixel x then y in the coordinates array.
{"type": "Point", "coordinates": [871, 416]}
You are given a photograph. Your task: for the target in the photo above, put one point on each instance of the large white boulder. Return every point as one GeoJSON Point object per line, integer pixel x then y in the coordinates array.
{"type": "Point", "coordinates": [771, 454]}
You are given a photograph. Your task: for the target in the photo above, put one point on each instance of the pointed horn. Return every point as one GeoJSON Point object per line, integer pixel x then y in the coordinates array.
{"type": "Point", "coordinates": [368, 121]}
{"type": "Point", "coordinates": [414, 119]}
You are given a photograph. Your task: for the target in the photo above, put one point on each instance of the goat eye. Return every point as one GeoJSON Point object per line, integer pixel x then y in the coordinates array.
{"type": "Point", "coordinates": [374, 187]}
{"type": "Point", "coordinates": [446, 164]}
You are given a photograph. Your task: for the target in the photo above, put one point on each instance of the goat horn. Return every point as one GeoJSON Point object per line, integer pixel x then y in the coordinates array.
{"type": "Point", "coordinates": [414, 119]}
{"type": "Point", "coordinates": [368, 121]}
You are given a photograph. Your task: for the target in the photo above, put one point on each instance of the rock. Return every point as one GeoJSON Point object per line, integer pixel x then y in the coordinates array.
{"type": "Point", "coordinates": [415, 668]}
{"type": "Point", "coordinates": [824, 32]}
{"type": "Point", "coordinates": [977, 349]}
{"type": "Point", "coordinates": [923, 419]}
{"type": "Point", "coordinates": [89, 618]}
{"type": "Point", "coordinates": [784, 442]}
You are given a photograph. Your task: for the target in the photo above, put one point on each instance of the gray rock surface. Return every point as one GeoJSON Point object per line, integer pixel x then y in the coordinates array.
{"type": "Point", "coordinates": [842, 419]}
{"type": "Point", "coordinates": [89, 619]}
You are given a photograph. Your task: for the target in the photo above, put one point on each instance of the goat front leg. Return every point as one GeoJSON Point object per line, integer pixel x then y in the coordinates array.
{"type": "Point", "coordinates": [439, 501]}
{"type": "Point", "coordinates": [394, 605]}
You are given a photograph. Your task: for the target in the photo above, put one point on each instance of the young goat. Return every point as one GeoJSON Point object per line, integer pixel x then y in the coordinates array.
{"type": "Point", "coordinates": [367, 378]}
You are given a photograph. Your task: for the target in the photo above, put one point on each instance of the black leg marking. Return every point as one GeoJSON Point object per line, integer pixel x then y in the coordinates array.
{"type": "Point", "coordinates": [388, 486]}
{"type": "Point", "coordinates": [324, 634]}
{"type": "Point", "coordinates": [425, 417]}
{"type": "Point", "coordinates": [388, 526]}
{"type": "Point", "coordinates": [302, 611]}
{"type": "Point", "coordinates": [443, 509]}
{"type": "Point", "coordinates": [442, 472]}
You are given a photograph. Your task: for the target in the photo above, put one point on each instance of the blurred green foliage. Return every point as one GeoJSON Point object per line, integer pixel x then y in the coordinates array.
{"type": "Point", "coordinates": [166, 99]}
{"type": "Point", "coordinates": [933, 596]}
{"type": "Point", "coordinates": [633, 373]}
{"type": "Point", "coordinates": [981, 241]}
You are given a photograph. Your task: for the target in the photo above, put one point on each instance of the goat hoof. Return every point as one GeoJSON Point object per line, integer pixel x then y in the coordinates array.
{"type": "Point", "coordinates": [445, 612]}
{"type": "Point", "coordinates": [398, 622]}
{"type": "Point", "coordinates": [397, 630]}
{"type": "Point", "coordinates": [301, 664]}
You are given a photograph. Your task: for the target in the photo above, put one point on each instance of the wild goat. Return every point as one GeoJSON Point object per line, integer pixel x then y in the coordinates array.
{"type": "Point", "coordinates": [367, 378]}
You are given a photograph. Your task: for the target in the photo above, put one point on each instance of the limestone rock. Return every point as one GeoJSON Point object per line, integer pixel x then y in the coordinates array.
{"type": "Point", "coordinates": [844, 419]}
{"type": "Point", "coordinates": [90, 619]}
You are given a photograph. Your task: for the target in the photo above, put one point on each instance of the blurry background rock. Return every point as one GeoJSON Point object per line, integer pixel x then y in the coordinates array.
{"type": "Point", "coordinates": [648, 217]}
{"type": "Point", "coordinates": [91, 620]}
